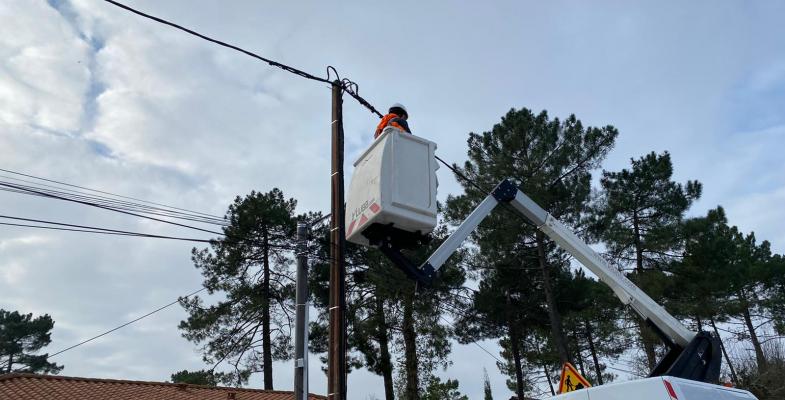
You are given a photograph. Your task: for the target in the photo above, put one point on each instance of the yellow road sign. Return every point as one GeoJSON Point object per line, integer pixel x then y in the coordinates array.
{"type": "Point", "coordinates": [571, 380]}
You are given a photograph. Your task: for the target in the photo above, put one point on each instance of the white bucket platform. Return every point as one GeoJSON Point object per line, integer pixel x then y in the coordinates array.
{"type": "Point", "coordinates": [393, 186]}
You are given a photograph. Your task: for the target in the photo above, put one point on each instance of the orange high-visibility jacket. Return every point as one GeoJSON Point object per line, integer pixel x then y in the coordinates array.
{"type": "Point", "coordinates": [392, 119]}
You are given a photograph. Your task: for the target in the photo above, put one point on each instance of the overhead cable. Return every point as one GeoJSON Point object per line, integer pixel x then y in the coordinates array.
{"type": "Point", "coordinates": [108, 202]}
{"type": "Point", "coordinates": [60, 226]}
{"type": "Point", "coordinates": [221, 43]}
{"type": "Point", "coordinates": [87, 203]}
{"type": "Point", "coordinates": [127, 323]}
{"type": "Point", "coordinates": [102, 192]}
{"type": "Point", "coordinates": [348, 86]}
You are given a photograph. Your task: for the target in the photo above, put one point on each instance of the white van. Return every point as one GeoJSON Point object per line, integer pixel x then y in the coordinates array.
{"type": "Point", "coordinates": [658, 388]}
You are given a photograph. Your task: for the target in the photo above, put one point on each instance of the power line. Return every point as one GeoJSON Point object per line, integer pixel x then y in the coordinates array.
{"type": "Point", "coordinates": [145, 315]}
{"type": "Point", "coordinates": [461, 175]}
{"type": "Point", "coordinates": [99, 191]}
{"type": "Point", "coordinates": [36, 191]}
{"type": "Point", "coordinates": [91, 229]}
{"type": "Point", "coordinates": [106, 231]}
{"type": "Point", "coordinates": [220, 43]}
{"type": "Point", "coordinates": [474, 342]}
{"type": "Point", "coordinates": [87, 203]}
{"type": "Point", "coordinates": [127, 323]}
{"type": "Point", "coordinates": [108, 201]}
{"type": "Point", "coordinates": [348, 86]}
{"type": "Point", "coordinates": [625, 371]}
{"type": "Point", "coordinates": [112, 204]}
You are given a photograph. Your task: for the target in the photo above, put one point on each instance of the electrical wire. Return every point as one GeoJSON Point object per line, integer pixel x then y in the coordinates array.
{"type": "Point", "coordinates": [42, 190]}
{"type": "Point", "coordinates": [90, 229]}
{"type": "Point", "coordinates": [145, 315]}
{"type": "Point", "coordinates": [220, 43]}
{"type": "Point", "coordinates": [46, 193]}
{"type": "Point", "coordinates": [99, 191]}
{"type": "Point", "coordinates": [461, 175]}
{"type": "Point", "coordinates": [127, 323]}
{"type": "Point", "coordinates": [474, 342]}
{"type": "Point", "coordinates": [87, 203]}
{"type": "Point", "coordinates": [348, 86]}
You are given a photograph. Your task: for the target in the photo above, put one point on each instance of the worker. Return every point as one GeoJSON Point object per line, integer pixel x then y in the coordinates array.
{"type": "Point", "coordinates": [396, 117]}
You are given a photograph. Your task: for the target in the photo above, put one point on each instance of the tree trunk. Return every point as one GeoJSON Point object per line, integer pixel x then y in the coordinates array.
{"type": "Point", "coordinates": [578, 356]}
{"type": "Point", "coordinates": [638, 244]}
{"type": "Point", "coordinates": [593, 351]}
{"type": "Point", "coordinates": [733, 375]}
{"type": "Point", "coordinates": [10, 363]}
{"type": "Point", "coordinates": [384, 348]}
{"type": "Point", "coordinates": [759, 356]}
{"type": "Point", "coordinates": [410, 349]}
{"type": "Point", "coordinates": [267, 354]}
{"type": "Point", "coordinates": [516, 351]}
{"type": "Point", "coordinates": [557, 334]}
{"type": "Point", "coordinates": [548, 377]}
{"type": "Point", "coordinates": [648, 339]}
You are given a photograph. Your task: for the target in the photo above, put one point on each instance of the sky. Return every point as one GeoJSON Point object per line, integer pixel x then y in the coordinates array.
{"type": "Point", "coordinates": [93, 95]}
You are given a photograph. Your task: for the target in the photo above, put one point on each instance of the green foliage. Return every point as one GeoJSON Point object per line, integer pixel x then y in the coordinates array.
{"type": "Point", "coordinates": [701, 282]}
{"type": "Point", "coordinates": [438, 390]}
{"type": "Point", "coordinates": [486, 385]}
{"type": "Point", "coordinates": [594, 321]}
{"type": "Point", "coordinates": [774, 284]}
{"type": "Point", "coordinates": [768, 384]}
{"type": "Point", "coordinates": [201, 377]}
{"type": "Point", "coordinates": [638, 213]}
{"type": "Point", "coordinates": [250, 268]}
{"type": "Point", "coordinates": [378, 296]}
{"type": "Point", "coordinates": [521, 275]}
{"type": "Point", "coordinates": [21, 336]}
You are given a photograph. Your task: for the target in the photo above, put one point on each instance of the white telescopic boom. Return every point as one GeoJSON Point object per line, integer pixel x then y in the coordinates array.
{"type": "Point", "coordinates": [624, 289]}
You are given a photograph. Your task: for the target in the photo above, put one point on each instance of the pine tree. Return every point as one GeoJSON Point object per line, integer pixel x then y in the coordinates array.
{"type": "Point", "coordinates": [438, 390]}
{"type": "Point", "coordinates": [372, 299]}
{"type": "Point", "coordinates": [551, 160]}
{"type": "Point", "coordinates": [594, 321]}
{"type": "Point", "coordinates": [21, 336]}
{"type": "Point", "coordinates": [425, 330]}
{"type": "Point", "coordinates": [700, 287]}
{"type": "Point", "coordinates": [200, 377]}
{"type": "Point", "coordinates": [638, 215]}
{"type": "Point", "coordinates": [393, 324]}
{"type": "Point", "coordinates": [748, 265]}
{"type": "Point", "coordinates": [507, 303]}
{"type": "Point", "coordinates": [487, 392]}
{"type": "Point", "coordinates": [252, 326]}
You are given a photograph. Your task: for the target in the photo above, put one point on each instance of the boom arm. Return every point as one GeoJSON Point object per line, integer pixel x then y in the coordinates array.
{"type": "Point", "coordinates": [624, 289]}
{"type": "Point", "coordinates": [693, 355]}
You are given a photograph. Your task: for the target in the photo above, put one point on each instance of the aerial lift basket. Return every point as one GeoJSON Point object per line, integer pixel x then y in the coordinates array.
{"type": "Point", "coordinates": [392, 194]}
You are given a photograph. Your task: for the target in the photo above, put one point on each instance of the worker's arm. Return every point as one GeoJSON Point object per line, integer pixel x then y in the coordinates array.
{"type": "Point", "coordinates": [400, 123]}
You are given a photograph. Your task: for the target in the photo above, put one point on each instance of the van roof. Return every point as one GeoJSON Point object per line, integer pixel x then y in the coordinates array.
{"type": "Point", "coordinates": [683, 387]}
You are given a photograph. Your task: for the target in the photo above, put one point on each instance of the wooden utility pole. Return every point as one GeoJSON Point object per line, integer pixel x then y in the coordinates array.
{"type": "Point", "coordinates": [336, 353]}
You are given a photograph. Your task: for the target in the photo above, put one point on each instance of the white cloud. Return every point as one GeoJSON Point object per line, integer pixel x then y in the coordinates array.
{"type": "Point", "coordinates": [43, 74]}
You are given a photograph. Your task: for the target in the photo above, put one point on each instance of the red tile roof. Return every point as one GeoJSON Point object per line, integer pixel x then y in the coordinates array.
{"type": "Point", "coordinates": [50, 387]}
